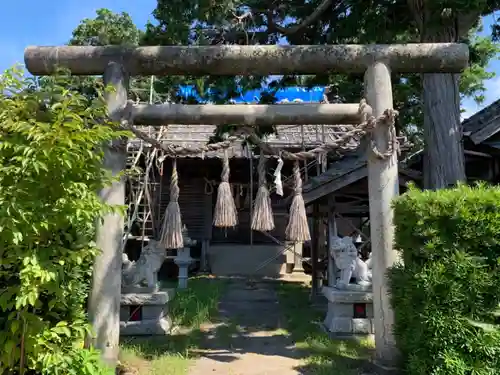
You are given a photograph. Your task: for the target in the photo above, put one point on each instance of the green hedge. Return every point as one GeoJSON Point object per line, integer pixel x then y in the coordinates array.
{"type": "Point", "coordinates": [450, 245]}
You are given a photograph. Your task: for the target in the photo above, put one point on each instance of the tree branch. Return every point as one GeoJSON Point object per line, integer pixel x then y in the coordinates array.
{"type": "Point", "coordinates": [312, 18]}
{"type": "Point", "coordinates": [220, 36]}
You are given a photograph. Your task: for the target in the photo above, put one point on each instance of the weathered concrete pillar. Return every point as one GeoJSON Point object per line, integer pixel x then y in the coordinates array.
{"type": "Point", "coordinates": [104, 305]}
{"type": "Point", "coordinates": [383, 187]}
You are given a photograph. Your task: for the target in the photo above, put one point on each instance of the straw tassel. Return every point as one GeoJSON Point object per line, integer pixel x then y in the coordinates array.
{"type": "Point", "coordinates": [225, 214]}
{"type": "Point", "coordinates": [262, 218]}
{"type": "Point", "coordinates": [171, 233]}
{"type": "Point", "coordinates": [297, 229]}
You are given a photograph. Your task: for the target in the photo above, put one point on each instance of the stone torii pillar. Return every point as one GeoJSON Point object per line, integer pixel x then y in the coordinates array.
{"type": "Point", "coordinates": [383, 186]}
{"type": "Point", "coordinates": [104, 302]}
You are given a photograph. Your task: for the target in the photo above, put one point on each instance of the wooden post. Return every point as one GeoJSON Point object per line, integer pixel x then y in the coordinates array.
{"type": "Point", "coordinates": [250, 208]}
{"type": "Point", "coordinates": [332, 232]}
{"type": "Point", "coordinates": [207, 231]}
{"type": "Point", "coordinates": [104, 304]}
{"type": "Point", "coordinates": [383, 186]}
{"type": "Point", "coordinates": [315, 251]}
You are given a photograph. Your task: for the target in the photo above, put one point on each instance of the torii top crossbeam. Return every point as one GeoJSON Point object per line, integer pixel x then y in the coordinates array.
{"type": "Point", "coordinates": [246, 60]}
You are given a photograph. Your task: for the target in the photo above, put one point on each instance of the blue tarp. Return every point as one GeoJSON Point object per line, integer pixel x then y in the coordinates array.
{"type": "Point", "coordinates": [314, 94]}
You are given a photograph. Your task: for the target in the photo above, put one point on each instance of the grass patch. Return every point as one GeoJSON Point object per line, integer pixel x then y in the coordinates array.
{"type": "Point", "coordinates": [172, 355]}
{"type": "Point", "coordinates": [324, 355]}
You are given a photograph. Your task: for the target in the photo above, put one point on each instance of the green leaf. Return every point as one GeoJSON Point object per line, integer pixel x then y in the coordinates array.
{"type": "Point", "coordinates": [14, 326]}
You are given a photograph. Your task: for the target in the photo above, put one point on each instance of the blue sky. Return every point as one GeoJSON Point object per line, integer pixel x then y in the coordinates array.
{"type": "Point", "coordinates": [31, 22]}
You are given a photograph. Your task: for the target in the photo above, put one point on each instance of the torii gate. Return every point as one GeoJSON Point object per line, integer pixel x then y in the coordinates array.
{"type": "Point", "coordinates": [375, 61]}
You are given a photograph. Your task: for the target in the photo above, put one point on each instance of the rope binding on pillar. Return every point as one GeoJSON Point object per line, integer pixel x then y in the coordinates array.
{"type": "Point", "coordinates": [388, 119]}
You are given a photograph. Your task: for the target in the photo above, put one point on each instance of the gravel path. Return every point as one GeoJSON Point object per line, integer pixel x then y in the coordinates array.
{"type": "Point", "coordinates": [249, 338]}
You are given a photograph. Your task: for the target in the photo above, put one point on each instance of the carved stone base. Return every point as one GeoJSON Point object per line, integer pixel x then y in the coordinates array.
{"type": "Point", "coordinates": [145, 313]}
{"type": "Point", "coordinates": [148, 327]}
{"type": "Point", "coordinates": [139, 289]}
{"type": "Point", "coordinates": [348, 326]}
{"type": "Point", "coordinates": [355, 287]}
{"type": "Point", "coordinates": [342, 317]}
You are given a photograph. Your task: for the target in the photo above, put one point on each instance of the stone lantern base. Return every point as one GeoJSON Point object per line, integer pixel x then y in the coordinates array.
{"type": "Point", "coordinates": [145, 312]}
{"type": "Point", "coordinates": [350, 312]}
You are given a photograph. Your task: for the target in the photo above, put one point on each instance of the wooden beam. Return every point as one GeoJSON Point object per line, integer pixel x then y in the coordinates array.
{"type": "Point", "coordinates": [356, 198]}
{"type": "Point", "coordinates": [343, 209]}
{"type": "Point", "coordinates": [353, 227]}
{"type": "Point", "coordinates": [248, 60]}
{"type": "Point", "coordinates": [347, 179]}
{"type": "Point", "coordinates": [487, 130]}
{"type": "Point", "coordinates": [412, 173]}
{"type": "Point", "coordinates": [477, 153]}
{"type": "Point", "coordinates": [243, 114]}
{"type": "Point", "coordinates": [334, 185]}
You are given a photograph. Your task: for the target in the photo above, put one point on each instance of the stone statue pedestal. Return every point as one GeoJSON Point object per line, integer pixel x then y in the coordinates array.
{"type": "Point", "coordinates": [183, 261]}
{"type": "Point", "coordinates": [145, 313]}
{"type": "Point", "coordinates": [350, 312]}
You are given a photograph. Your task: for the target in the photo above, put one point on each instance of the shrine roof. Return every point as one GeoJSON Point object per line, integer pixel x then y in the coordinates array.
{"type": "Point", "coordinates": [483, 124]}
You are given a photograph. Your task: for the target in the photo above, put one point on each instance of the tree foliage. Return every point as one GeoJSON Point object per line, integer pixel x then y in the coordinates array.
{"type": "Point", "coordinates": [347, 21]}
{"type": "Point", "coordinates": [108, 28]}
{"type": "Point", "coordinates": [50, 173]}
{"type": "Point", "coordinates": [253, 21]}
{"type": "Point", "coordinates": [315, 22]}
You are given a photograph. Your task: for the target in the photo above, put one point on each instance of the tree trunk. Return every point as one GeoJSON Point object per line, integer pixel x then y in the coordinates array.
{"type": "Point", "coordinates": [444, 155]}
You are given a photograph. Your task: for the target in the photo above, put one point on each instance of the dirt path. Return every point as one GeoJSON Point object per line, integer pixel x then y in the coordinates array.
{"type": "Point", "coordinates": [250, 338]}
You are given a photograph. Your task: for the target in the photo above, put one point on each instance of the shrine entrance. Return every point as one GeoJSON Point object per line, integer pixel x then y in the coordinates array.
{"type": "Point", "coordinates": [373, 118]}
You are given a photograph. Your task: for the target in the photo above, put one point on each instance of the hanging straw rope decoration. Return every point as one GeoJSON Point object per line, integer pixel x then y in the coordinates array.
{"type": "Point", "coordinates": [297, 229]}
{"type": "Point", "coordinates": [262, 218]}
{"type": "Point", "coordinates": [225, 213]}
{"type": "Point", "coordinates": [171, 232]}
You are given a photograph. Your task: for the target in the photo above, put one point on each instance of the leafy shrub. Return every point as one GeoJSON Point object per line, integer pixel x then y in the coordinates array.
{"type": "Point", "coordinates": [50, 173]}
{"type": "Point", "coordinates": [450, 246]}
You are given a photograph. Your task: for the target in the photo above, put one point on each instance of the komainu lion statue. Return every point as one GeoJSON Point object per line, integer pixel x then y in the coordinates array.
{"type": "Point", "coordinates": [144, 271]}
{"type": "Point", "coordinates": [347, 260]}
